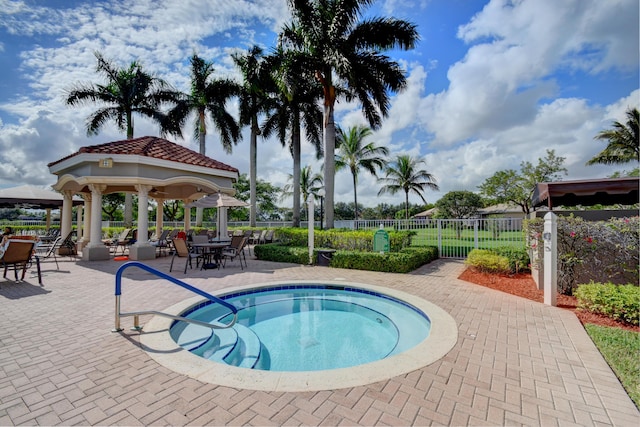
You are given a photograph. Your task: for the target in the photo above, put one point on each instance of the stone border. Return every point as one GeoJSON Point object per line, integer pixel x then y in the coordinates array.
{"type": "Point", "coordinates": [155, 339]}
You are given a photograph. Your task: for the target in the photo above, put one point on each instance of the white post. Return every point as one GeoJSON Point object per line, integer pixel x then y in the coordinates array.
{"type": "Point", "coordinates": [550, 239]}
{"type": "Point", "coordinates": [311, 220]}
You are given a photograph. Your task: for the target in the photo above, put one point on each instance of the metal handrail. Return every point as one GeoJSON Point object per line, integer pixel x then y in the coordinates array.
{"type": "Point", "coordinates": [118, 293]}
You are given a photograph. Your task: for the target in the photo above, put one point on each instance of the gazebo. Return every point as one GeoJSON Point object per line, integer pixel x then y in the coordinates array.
{"type": "Point", "coordinates": [150, 167]}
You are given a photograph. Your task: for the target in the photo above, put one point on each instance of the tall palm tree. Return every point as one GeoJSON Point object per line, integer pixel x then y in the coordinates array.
{"type": "Point", "coordinates": [355, 154]}
{"type": "Point", "coordinates": [403, 175]}
{"type": "Point", "coordinates": [345, 53]}
{"type": "Point", "coordinates": [254, 100]}
{"type": "Point", "coordinates": [622, 141]}
{"type": "Point", "coordinates": [207, 95]}
{"type": "Point", "coordinates": [296, 98]}
{"type": "Point", "coordinates": [310, 184]}
{"type": "Point", "coordinates": [126, 91]}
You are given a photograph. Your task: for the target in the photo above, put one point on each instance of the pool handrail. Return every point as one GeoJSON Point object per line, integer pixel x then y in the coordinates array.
{"type": "Point", "coordinates": [118, 293]}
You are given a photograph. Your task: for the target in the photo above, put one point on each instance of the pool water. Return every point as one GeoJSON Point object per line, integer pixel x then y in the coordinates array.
{"type": "Point", "coordinates": [304, 328]}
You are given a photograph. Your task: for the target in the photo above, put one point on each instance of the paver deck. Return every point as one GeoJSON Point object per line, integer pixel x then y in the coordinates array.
{"type": "Point", "coordinates": [516, 362]}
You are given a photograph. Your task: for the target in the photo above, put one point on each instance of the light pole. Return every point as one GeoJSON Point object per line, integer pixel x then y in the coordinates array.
{"type": "Point", "coordinates": [321, 194]}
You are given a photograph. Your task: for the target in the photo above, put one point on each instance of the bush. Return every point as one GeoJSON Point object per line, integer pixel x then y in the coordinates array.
{"type": "Point", "coordinates": [282, 253]}
{"type": "Point", "coordinates": [350, 240]}
{"type": "Point", "coordinates": [518, 257]}
{"type": "Point", "coordinates": [394, 262]}
{"type": "Point", "coordinates": [488, 261]}
{"type": "Point", "coordinates": [600, 251]}
{"type": "Point", "coordinates": [619, 302]}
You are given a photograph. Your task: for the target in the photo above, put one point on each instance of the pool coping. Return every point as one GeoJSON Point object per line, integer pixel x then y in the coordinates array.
{"type": "Point", "coordinates": [157, 342]}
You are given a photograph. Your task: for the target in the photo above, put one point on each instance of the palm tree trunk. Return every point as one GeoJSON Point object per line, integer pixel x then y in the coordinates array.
{"type": "Point", "coordinates": [295, 141]}
{"type": "Point", "coordinates": [329, 163]}
{"type": "Point", "coordinates": [202, 136]}
{"type": "Point", "coordinates": [253, 165]}
{"type": "Point", "coordinates": [406, 205]}
{"type": "Point", "coordinates": [355, 195]}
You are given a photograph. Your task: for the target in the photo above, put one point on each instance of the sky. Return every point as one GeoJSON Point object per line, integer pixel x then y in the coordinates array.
{"type": "Point", "coordinates": [490, 84]}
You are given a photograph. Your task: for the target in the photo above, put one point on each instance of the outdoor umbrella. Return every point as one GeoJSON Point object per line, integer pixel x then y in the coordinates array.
{"type": "Point", "coordinates": [222, 202]}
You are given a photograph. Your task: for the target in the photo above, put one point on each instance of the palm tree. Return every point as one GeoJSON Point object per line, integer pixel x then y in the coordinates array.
{"type": "Point", "coordinates": [622, 145]}
{"type": "Point", "coordinates": [127, 91]}
{"type": "Point", "coordinates": [355, 154]}
{"type": "Point", "coordinates": [339, 45]}
{"type": "Point", "coordinates": [310, 183]}
{"type": "Point", "coordinates": [254, 100]}
{"type": "Point", "coordinates": [296, 103]}
{"type": "Point", "coordinates": [207, 95]}
{"type": "Point", "coordinates": [403, 174]}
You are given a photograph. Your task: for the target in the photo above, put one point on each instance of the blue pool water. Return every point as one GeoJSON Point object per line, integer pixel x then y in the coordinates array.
{"type": "Point", "coordinates": [304, 328]}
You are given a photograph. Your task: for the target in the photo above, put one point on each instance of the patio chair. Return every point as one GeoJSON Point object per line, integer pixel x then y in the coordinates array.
{"type": "Point", "coordinates": [235, 250]}
{"type": "Point", "coordinates": [182, 251]}
{"type": "Point", "coordinates": [200, 238]}
{"type": "Point", "coordinates": [260, 238]}
{"type": "Point", "coordinates": [18, 254]}
{"type": "Point", "coordinates": [122, 241]}
{"type": "Point", "coordinates": [67, 246]}
{"type": "Point", "coordinates": [161, 243]}
{"type": "Point", "coordinates": [268, 237]}
{"type": "Point", "coordinates": [49, 250]}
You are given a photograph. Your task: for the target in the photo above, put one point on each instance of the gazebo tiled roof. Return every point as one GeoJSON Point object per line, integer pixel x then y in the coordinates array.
{"type": "Point", "coordinates": [153, 147]}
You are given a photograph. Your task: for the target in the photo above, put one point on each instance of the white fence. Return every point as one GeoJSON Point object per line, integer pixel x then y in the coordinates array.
{"type": "Point", "coordinates": [453, 237]}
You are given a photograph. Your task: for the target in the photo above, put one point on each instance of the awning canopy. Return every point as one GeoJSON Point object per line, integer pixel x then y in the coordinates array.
{"type": "Point", "coordinates": [32, 197]}
{"type": "Point", "coordinates": [609, 191]}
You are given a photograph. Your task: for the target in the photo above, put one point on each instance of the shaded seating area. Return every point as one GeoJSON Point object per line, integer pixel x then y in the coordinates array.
{"type": "Point", "coordinates": [18, 255]}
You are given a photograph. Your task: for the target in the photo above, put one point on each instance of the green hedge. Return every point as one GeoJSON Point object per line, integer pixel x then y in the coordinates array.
{"type": "Point", "coordinates": [488, 261]}
{"type": "Point", "coordinates": [619, 302]}
{"type": "Point", "coordinates": [349, 240]}
{"type": "Point", "coordinates": [404, 261]}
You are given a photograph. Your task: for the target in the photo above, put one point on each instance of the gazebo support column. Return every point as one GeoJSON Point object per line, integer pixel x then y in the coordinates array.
{"type": "Point", "coordinates": [96, 250]}
{"type": "Point", "coordinates": [142, 250]}
{"type": "Point", "coordinates": [86, 224]}
{"type": "Point", "coordinates": [159, 217]}
{"type": "Point", "coordinates": [66, 214]}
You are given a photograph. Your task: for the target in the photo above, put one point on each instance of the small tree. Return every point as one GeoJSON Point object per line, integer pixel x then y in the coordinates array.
{"type": "Point", "coordinates": [510, 186]}
{"type": "Point", "coordinates": [459, 205]}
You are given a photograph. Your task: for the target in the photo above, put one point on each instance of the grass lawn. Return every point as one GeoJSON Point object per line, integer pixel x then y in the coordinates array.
{"type": "Point", "coordinates": [621, 350]}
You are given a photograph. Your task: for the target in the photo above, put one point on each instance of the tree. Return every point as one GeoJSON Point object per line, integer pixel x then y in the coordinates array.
{"type": "Point", "coordinates": [403, 175]}
{"type": "Point", "coordinates": [111, 203]}
{"type": "Point", "coordinates": [339, 46]}
{"type": "Point", "coordinates": [310, 183]}
{"type": "Point", "coordinates": [296, 104]}
{"type": "Point", "coordinates": [354, 154]}
{"type": "Point", "coordinates": [510, 186]}
{"type": "Point", "coordinates": [254, 100]}
{"type": "Point", "coordinates": [127, 91]}
{"type": "Point", "coordinates": [207, 95]}
{"type": "Point", "coordinates": [459, 205]}
{"type": "Point", "coordinates": [622, 141]}
{"type": "Point", "coordinates": [267, 194]}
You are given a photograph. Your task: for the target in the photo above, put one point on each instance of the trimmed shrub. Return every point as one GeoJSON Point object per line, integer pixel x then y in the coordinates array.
{"type": "Point", "coordinates": [518, 257]}
{"type": "Point", "coordinates": [394, 262]}
{"type": "Point", "coordinates": [619, 302]}
{"type": "Point", "coordinates": [282, 253]}
{"type": "Point", "coordinates": [488, 261]}
{"type": "Point", "coordinates": [350, 240]}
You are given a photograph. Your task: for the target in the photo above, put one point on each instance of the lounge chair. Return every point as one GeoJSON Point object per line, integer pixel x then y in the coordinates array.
{"type": "Point", "coordinates": [235, 250]}
{"type": "Point", "coordinates": [49, 250]}
{"type": "Point", "coordinates": [18, 254]}
{"type": "Point", "coordinates": [182, 251]}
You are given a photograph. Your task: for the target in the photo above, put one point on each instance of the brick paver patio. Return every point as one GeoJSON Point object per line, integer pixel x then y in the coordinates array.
{"type": "Point", "coordinates": [516, 362]}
